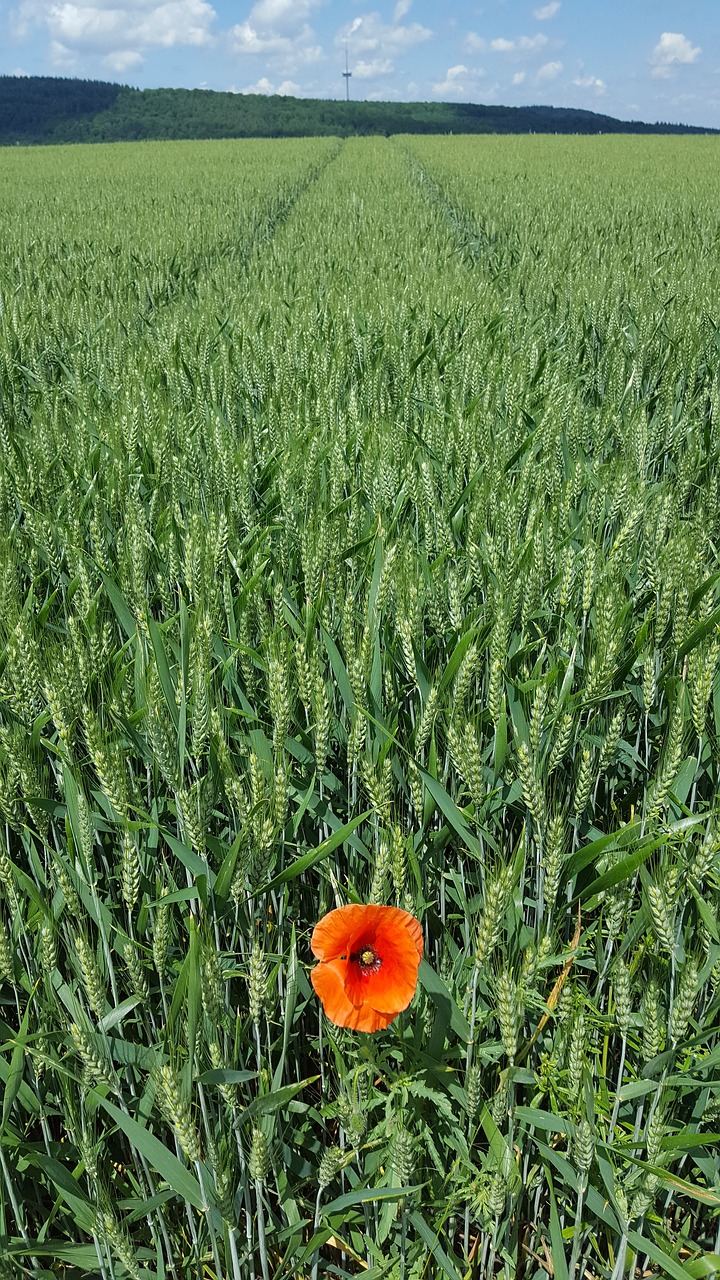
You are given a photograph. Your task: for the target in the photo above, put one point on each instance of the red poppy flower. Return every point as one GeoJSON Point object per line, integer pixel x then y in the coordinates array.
{"type": "Point", "coordinates": [369, 960]}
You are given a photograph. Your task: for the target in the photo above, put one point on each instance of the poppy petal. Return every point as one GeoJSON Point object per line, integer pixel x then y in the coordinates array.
{"type": "Point", "coordinates": [372, 1019]}
{"type": "Point", "coordinates": [333, 935]}
{"type": "Point", "coordinates": [341, 928]}
{"type": "Point", "coordinates": [327, 979]}
{"type": "Point", "coordinates": [414, 928]}
{"type": "Point", "coordinates": [366, 999]}
{"type": "Point", "coordinates": [367, 1019]}
{"type": "Point", "coordinates": [391, 987]}
{"type": "Point", "coordinates": [329, 983]}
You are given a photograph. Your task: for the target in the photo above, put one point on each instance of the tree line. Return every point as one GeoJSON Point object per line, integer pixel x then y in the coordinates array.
{"type": "Point", "coordinates": [53, 109]}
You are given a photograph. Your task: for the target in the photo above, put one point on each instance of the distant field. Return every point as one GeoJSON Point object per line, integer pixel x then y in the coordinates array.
{"type": "Point", "coordinates": [359, 521]}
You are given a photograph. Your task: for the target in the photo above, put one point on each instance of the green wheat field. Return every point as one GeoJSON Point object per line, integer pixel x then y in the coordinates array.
{"type": "Point", "coordinates": [359, 522]}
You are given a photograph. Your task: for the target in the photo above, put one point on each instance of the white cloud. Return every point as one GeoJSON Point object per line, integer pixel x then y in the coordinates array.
{"type": "Point", "coordinates": [590, 82]}
{"type": "Point", "coordinates": [549, 71]}
{"type": "Point", "coordinates": [245, 39]}
{"type": "Point", "coordinates": [515, 50]}
{"type": "Point", "coordinates": [117, 32]}
{"type": "Point", "coordinates": [278, 28]}
{"type": "Point", "coordinates": [547, 11]}
{"type": "Point", "coordinates": [475, 43]}
{"type": "Point", "coordinates": [281, 15]}
{"type": "Point", "coordinates": [375, 67]}
{"type": "Point", "coordinates": [248, 39]}
{"type": "Point", "coordinates": [523, 44]}
{"type": "Point", "coordinates": [122, 60]}
{"type": "Point", "coordinates": [451, 82]}
{"type": "Point", "coordinates": [518, 77]}
{"type": "Point", "coordinates": [61, 57]}
{"type": "Point", "coordinates": [263, 86]}
{"type": "Point", "coordinates": [460, 82]}
{"type": "Point", "coordinates": [369, 34]}
{"type": "Point", "coordinates": [384, 95]}
{"type": "Point", "coordinates": [672, 48]}
{"type": "Point", "coordinates": [266, 86]}
{"type": "Point", "coordinates": [402, 8]}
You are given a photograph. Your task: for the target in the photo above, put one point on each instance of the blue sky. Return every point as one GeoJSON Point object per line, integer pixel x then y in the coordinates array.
{"type": "Point", "coordinates": [636, 59]}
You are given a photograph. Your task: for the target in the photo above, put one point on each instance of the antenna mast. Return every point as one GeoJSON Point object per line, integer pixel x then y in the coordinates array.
{"type": "Point", "coordinates": [346, 75]}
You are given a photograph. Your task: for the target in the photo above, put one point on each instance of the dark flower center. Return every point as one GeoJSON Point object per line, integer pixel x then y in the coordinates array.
{"type": "Point", "coordinates": [367, 959]}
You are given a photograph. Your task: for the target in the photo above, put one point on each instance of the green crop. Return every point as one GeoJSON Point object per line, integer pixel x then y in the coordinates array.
{"type": "Point", "coordinates": [359, 515]}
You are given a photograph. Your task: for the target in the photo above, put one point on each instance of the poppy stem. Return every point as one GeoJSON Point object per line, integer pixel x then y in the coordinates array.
{"type": "Point", "coordinates": [316, 1224]}
{"type": "Point", "coordinates": [261, 1229]}
{"type": "Point", "coordinates": [369, 1258]}
{"type": "Point", "coordinates": [321, 1053]}
{"type": "Point", "coordinates": [208, 1217]}
{"type": "Point", "coordinates": [403, 1237]}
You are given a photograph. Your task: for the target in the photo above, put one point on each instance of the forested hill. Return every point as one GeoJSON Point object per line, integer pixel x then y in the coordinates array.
{"type": "Point", "coordinates": [42, 109]}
